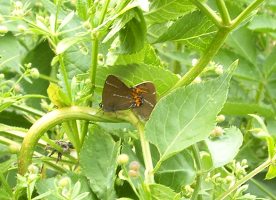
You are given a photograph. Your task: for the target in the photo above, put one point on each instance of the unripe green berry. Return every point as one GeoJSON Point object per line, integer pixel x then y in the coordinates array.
{"type": "Point", "coordinates": [14, 148]}
{"type": "Point", "coordinates": [32, 169]}
{"type": "Point", "coordinates": [34, 73]}
{"type": "Point", "coordinates": [122, 159]}
{"type": "Point", "coordinates": [220, 118]}
{"type": "Point", "coordinates": [2, 76]}
{"type": "Point", "coordinates": [21, 28]}
{"type": "Point", "coordinates": [219, 70]}
{"type": "Point", "coordinates": [64, 182]}
{"type": "Point", "coordinates": [18, 5]}
{"type": "Point", "coordinates": [3, 30]}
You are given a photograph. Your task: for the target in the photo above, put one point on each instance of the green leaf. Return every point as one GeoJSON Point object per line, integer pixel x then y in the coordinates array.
{"type": "Point", "coordinates": [133, 35]}
{"type": "Point", "coordinates": [119, 23]}
{"type": "Point", "coordinates": [271, 172]}
{"type": "Point", "coordinates": [98, 162]}
{"type": "Point", "coordinates": [270, 64]}
{"type": "Point", "coordinates": [134, 74]}
{"type": "Point", "coordinates": [240, 109]}
{"type": "Point", "coordinates": [263, 23]}
{"type": "Point", "coordinates": [223, 149]}
{"type": "Point", "coordinates": [187, 115]}
{"type": "Point", "coordinates": [81, 7]}
{"type": "Point", "coordinates": [163, 10]}
{"type": "Point", "coordinates": [177, 171]}
{"type": "Point", "coordinates": [66, 43]}
{"type": "Point", "coordinates": [45, 185]}
{"type": "Point", "coordinates": [11, 53]}
{"type": "Point", "coordinates": [146, 56]}
{"type": "Point", "coordinates": [57, 97]}
{"type": "Point", "coordinates": [161, 192]}
{"type": "Point", "coordinates": [242, 42]}
{"type": "Point", "coordinates": [194, 29]}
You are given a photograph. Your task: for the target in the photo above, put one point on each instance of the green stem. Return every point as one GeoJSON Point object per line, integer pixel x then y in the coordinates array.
{"type": "Point", "coordinates": [270, 98]}
{"type": "Point", "coordinates": [208, 11]}
{"type": "Point", "coordinates": [246, 178]}
{"type": "Point", "coordinates": [149, 177]}
{"type": "Point", "coordinates": [210, 52]}
{"type": "Point", "coordinates": [53, 118]}
{"type": "Point", "coordinates": [197, 158]}
{"type": "Point", "coordinates": [245, 13]}
{"type": "Point", "coordinates": [65, 77]}
{"type": "Point", "coordinates": [223, 12]}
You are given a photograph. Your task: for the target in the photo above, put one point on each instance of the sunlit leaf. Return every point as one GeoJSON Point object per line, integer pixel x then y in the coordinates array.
{"type": "Point", "coordinates": [223, 149]}
{"type": "Point", "coordinates": [187, 115]}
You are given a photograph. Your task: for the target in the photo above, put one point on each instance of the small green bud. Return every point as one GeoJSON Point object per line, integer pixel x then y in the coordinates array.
{"type": "Point", "coordinates": [14, 148]}
{"type": "Point", "coordinates": [3, 30]}
{"type": "Point", "coordinates": [220, 118]}
{"type": "Point", "coordinates": [32, 169]}
{"type": "Point", "coordinates": [64, 182]}
{"type": "Point", "coordinates": [122, 159]}
{"type": "Point", "coordinates": [18, 5]}
{"type": "Point", "coordinates": [21, 28]}
{"type": "Point", "coordinates": [34, 73]}
{"type": "Point", "coordinates": [2, 76]}
{"type": "Point", "coordinates": [194, 61]}
{"type": "Point", "coordinates": [197, 80]}
{"type": "Point", "coordinates": [219, 69]}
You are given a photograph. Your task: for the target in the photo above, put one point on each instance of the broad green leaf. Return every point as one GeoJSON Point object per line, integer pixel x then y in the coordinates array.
{"type": "Point", "coordinates": [146, 56]}
{"type": "Point", "coordinates": [177, 171]}
{"type": "Point", "coordinates": [240, 109]}
{"type": "Point", "coordinates": [194, 29]}
{"type": "Point", "coordinates": [134, 74]}
{"type": "Point", "coordinates": [187, 115]}
{"type": "Point", "coordinates": [245, 71]}
{"type": "Point", "coordinates": [11, 53]}
{"type": "Point", "coordinates": [271, 172]}
{"type": "Point", "coordinates": [98, 162]}
{"type": "Point", "coordinates": [45, 185]}
{"type": "Point", "coordinates": [263, 23]}
{"type": "Point", "coordinates": [270, 64]}
{"type": "Point", "coordinates": [119, 23]}
{"type": "Point", "coordinates": [223, 149]}
{"type": "Point", "coordinates": [242, 41]}
{"type": "Point", "coordinates": [164, 10]}
{"type": "Point", "coordinates": [132, 36]}
{"type": "Point", "coordinates": [264, 134]}
{"type": "Point", "coordinates": [57, 97]}
{"type": "Point", "coordinates": [161, 192]}
{"type": "Point", "coordinates": [81, 7]}
{"type": "Point", "coordinates": [66, 43]}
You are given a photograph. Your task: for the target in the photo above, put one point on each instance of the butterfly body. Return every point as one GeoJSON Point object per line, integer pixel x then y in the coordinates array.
{"type": "Point", "coordinates": [117, 96]}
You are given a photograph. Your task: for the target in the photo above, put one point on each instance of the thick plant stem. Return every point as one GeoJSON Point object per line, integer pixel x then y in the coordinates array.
{"type": "Point", "coordinates": [223, 12]}
{"type": "Point", "coordinates": [245, 13]}
{"type": "Point", "coordinates": [196, 154]}
{"type": "Point", "coordinates": [56, 117]}
{"type": "Point", "coordinates": [210, 52]}
{"type": "Point", "coordinates": [247, 177]}
{"type": "Point", "coordinates": [208, 11]}
{"type": "Point", "coordinates": [149, 176]}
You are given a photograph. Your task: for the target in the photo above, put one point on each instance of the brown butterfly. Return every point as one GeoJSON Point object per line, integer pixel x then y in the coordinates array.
{"type": "Point", "coordinates": [117, 96]}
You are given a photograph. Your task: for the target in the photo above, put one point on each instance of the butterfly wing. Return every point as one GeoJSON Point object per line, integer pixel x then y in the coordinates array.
{"type": "Point", "coordinates": [116, 95]}
{"type": "Point", "coordinates": [148, 93]}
